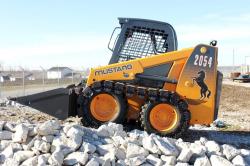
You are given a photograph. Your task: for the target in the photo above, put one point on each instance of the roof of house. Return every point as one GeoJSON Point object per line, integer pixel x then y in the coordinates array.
{"type": "Point", "coordinates": [17, 74]}
{"type": "Point", "coordinates": [58, 68]}
{"type": "Point", "coordinates": [5, 77]}
{"type": "Point", "coordinates": [5, 74]}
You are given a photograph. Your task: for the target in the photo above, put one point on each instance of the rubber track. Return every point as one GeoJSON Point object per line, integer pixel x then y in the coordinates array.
{"type": "Point", "coordinates": [182, 128]}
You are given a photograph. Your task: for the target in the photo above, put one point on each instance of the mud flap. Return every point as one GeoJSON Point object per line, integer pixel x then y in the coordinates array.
{"type": "Point", "coordinates": [59, 103]}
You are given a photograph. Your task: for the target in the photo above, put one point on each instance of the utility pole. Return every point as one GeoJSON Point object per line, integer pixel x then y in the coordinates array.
{"type": "Point", "coordinates": [246, 63]}
{"type": "Point", "coordinates": [0, 88]}
{"type": "Point", "coordinates": [23, 79]}
{"type": "Point", "coordinates": [233, 62]}
{"type": "Point", "coordinates": [58, 75]}
{"type": "Point", "coordinates": [72, 76]}
{"type": "Point", "coordinates": [246, 59]}
{"type": "Point", "coordinates": [43, 76]}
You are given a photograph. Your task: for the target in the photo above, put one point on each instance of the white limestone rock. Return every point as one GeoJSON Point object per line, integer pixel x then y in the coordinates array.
{"type": "Point", "coordinates": [149, 144]}
{"type": "Point", "coordinates": [32, 131]}
{"type": "Point", "coordinates": [43, 159]}
{"type": "Point", "coordinates": [76, 157]}
{"type": "Point", "coordinates": [20, 156]}
{"type": "Point", "coordinates": [121, 163]}
{"type": "Point", "coordinates": [116, 130]}
{"type": "Point", "coordinates": [30, 162]}
{"type": "Point", "coordinates": [103, 131]}
{"type": "Point", "coordinates": [103, 149]}
{"type": "Point", "coordinates": [245, 152]}
{"type": "Point", "coordinates": [239, 161]}
{"type": "Point", "coordinates": [120, 154]}
{"type": "Point", "coordinates": [106, 162]}
{"type": "Point", "coordinates": [60, 140]}
{"type": "Point", "coordinates": [4, 144]}
{"type": "Point", "coordinates": [169, 160]}
{"type": "Point", "coordinates": [1, 125]}
{"type": "Point", "coordinates": [185, 155]}
{"type": "Point", "coordinates": [9, 127]}
{"type": "Point", "coordinates": [93, 162]}
{"type": "Point", "coordinates": [7, 153]}
{"type": "Point", "coordinates": [11, 162]}
{"type": "Point", "coordinates": [198, 149]}
{"type": "Point", "coordinates": [202, 161]}
{"type": "Point", "coordinates": [183, 145]}
{"type": "Point", "coordinates": [218, 160]}
{"type": "Point", "coordinates": [74, 131]}
{"type": "Point", "coordinates": [212, 146]}
{"type": "Point", "coordinates": [134, 150]}
{"type": "Point", "coordinates": [21, 133]}
{"type": "Point", "coordinates": [166, 147]}
{"type": "Point", "coordinates": [5, 135]}
{"type": "Point", "coordinates": [75, 141]}
{"type": "Point", "coordinates": [37, 143]}
{"type": "Point", "coordinates": [49, 128]}
{"type": "Point", "coordinates": [181, 164]}
{"type": "Point", "coordinates": [87, 148]}
{"type": "Point", "coordinates": [16, 147]}
{"type": "Point", "coordinates": [203, 140]}
{"type": "Point", "coordinates": [135, 161]}
{"type": "Point", "coordinates": [229, 151]}
{"type": "Point", "coordinates": [56, 158]}
{"type": "Point", "coordinates": [154, 160]}
{"type": "Point", "coordinates": [118, 140]}
{"type": "Point", "coordinates": [136, 136]}
{"type": "Point", "coordinates": [30, 143]}
{"type": "Point", "coordinates": [67, 126]}
{"type": "Point", "coordinates": [44, 147]}
{"type": "Point", "coordinates": [66, 150]}
{"type": "Point", "coordinates": [48, 138]}
{"type": "Point", "coordinates": [109, 158]}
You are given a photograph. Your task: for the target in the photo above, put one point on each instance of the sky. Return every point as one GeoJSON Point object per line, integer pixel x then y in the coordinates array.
{"type": "Point", "coordinates": [75, 33]}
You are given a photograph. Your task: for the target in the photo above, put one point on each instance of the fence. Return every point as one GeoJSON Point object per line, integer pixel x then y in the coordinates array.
{"type": "Point", "coordinates": [19, 81]}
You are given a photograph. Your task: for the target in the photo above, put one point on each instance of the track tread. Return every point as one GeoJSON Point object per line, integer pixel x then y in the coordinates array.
{"type": "Point", "coordinates": [184, 122]}
{"type": "Point", "coordinates": [152, 95]}
{"type": "Point", "coordinates": [87, 118]}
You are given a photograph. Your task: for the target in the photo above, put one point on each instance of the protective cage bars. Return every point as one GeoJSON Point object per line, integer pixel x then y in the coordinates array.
{"type": "Point", "coordinates": [141, 42]}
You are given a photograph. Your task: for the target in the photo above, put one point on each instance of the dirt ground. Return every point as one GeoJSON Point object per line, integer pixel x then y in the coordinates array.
{"type": "Point", "coordinates": [235, 107]}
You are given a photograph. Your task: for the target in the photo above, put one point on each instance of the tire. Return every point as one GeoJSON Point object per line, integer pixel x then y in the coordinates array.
{"type": "Point", "coordinates": [176, 129]}
{"type": "Point", "coordinates": [80, 107]}
{"type": "Point", "coordinates": [89, 117]}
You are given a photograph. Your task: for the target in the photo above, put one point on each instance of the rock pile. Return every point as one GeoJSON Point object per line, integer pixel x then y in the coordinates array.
{"type": "Point", "coordinates": [53, 143]}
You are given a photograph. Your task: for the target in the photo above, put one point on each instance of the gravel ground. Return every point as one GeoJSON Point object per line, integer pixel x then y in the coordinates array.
{"type": "Point", "coordinates": [233, 112]}
{"type": "Point", "coordinates": [56, 143]}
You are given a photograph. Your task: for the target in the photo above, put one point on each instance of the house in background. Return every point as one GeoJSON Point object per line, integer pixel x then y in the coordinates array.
{"type": "Point", "coordinates": [58, 72]}
{"type": "Point", "coordinates": [74, 75]}
{"type": "Point", "coordinates": [30, 77]}
{"type": "Point", "coordinates": [4, 78]}
{"type": "Point", "coordinates": [27, 75]}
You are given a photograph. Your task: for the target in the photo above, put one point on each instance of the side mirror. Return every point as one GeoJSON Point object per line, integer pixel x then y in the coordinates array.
{"type": "Point", "coordinates": [113, 41]}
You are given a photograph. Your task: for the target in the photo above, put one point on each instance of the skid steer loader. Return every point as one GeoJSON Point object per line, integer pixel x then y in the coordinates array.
{"type": "Point", "coordinates": [147, 79]}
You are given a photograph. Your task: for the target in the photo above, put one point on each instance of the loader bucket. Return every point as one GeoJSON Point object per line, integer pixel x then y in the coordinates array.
{"type": "Point", "coordinates": [59, 103]}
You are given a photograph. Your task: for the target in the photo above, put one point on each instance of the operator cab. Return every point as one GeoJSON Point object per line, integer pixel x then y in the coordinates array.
{"type": "Point", "coordinates": [139, 38]}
